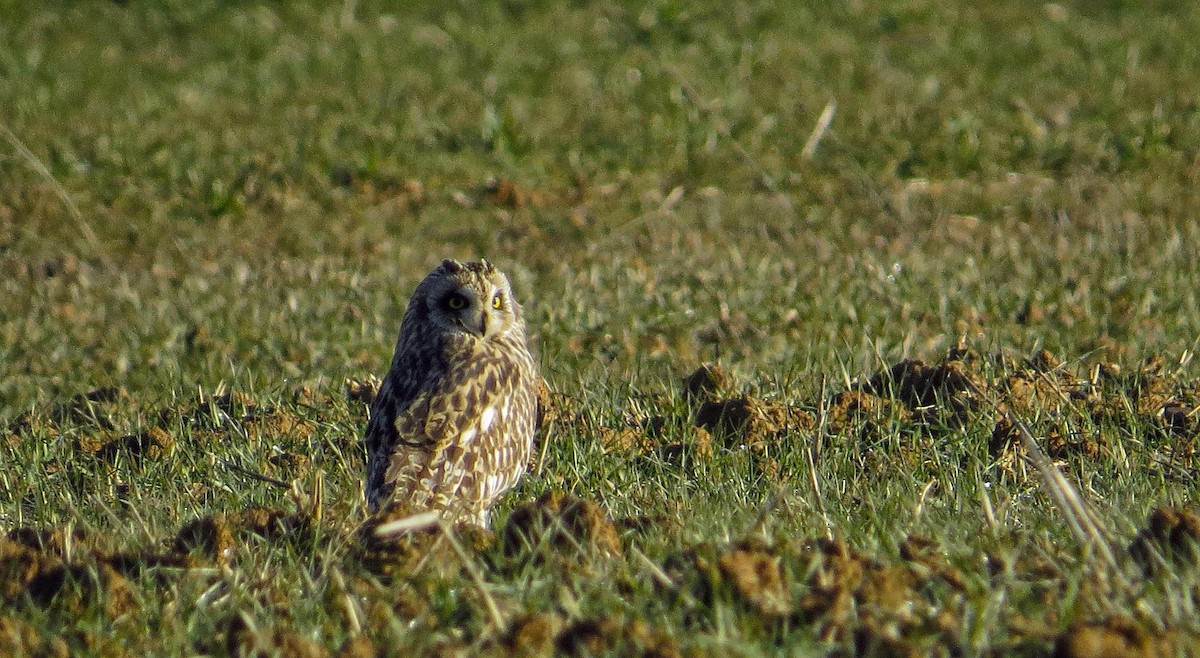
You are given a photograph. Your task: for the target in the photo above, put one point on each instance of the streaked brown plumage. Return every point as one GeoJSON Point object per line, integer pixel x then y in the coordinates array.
{"type": "Point", "coordinates": [452, 425]}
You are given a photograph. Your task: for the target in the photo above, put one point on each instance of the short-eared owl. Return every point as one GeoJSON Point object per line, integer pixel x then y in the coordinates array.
{"type": "Point", "coordinates": [452, 425]}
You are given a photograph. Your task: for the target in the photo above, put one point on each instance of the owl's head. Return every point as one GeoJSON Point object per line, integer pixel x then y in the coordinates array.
{"type": "Point", "coordinates": [468, 298]}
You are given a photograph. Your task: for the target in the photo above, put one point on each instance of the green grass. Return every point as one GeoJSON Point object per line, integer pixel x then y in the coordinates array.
{"type": "Point", "coordinates": [201, 197]}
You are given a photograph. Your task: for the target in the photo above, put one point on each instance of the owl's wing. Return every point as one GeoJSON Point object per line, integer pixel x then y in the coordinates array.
{"type": "Point", "coordinates": [396, 394]}
{"type": "Point", "coordinates": [451, 447]}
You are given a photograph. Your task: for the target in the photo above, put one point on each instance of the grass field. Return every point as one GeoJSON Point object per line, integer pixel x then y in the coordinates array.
{"type": "Point", "coordinates": [902, 231]}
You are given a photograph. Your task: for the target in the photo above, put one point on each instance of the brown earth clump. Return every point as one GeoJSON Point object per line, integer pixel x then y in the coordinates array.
{"type": "Point", "coordinates": [748, 573]}
{"type": "Point", "coordinates": [562, 523]}
{"type": "Point", "coordinates": [400, 555]}
{"type": "Point", "coordinates": [884, 609]}
{"type": "Point", "coordinates": [289, 465]}
{"type": "Point", "coordinates": [308, 395]}
{"type": "Point", "coordinates": [54, 541]}
{"type": "Point", "coordinates": [82, 408]}
{"type": "Point", "coordinates": [1151, 395]}
{"type": "Point", "coordinates": [625, 439]}
{"type": "Point", "coordinates": [91, 409]}
{"type": "Point", "coordinates": [756, 576]}
{"type": "Point", "coordinates": [273, 424]}
{"type": "Point", "coordinates": [26, 570]}
{"type": "Point", "coordinates": [215, 536]}
{"type": "Point", "coordinates": [209, 412]}
{"type": "Point", "coordinates": [1008, 451]}
{"type": "Point", "coordinates": [958, 387]}
{"type": "Point", "coordinates": [547, 411]}
{"type": "Point", "coordinates": [1169, 542]}
{"type": "Point", "coordinates": [359, 646]}
{"type": "Point", "coordinates": [153, 444]}
{"type": "Point", "coordinates": [749, 421]}
{"type": "Point", "coordinates": [608, 636]}
{"type": "Point", "coordinates": [506, 193]}
{"type": "Point", "coordinates": [384, 600]}
{"type": "Point", "coordinates": [853, 408]}
{"type": "Point", "coordinates": [946, 389]}
{"type": "Point", "coordinates": [1040, 386]}
{"type": "Point", "coordinates": [653, 439]}
{"type": "Point", "coordinates": [705, 384]}
{"type": "Point", "coordinates": [925, 554]}
{"type": "Point", "coordinates": [44, 576]}
{"type": "Point", "coordinates": [208, 535]}
{"type": "Point", "coordinates": [532, 635]}
{"type": "Point", "coordinates": [362, 390]}
{"type": "Point", "coordinates": [700, 447]}
{"type": "Point", "coordinates": [1115, 637]}
{"type": "Point", "coordinates": [18, 638]}
{"type": "Point", "coordinates": [245, 641]}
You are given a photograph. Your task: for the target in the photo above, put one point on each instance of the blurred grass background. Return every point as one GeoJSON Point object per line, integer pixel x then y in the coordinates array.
{"type": "Point", "coordinates": [254, 189]}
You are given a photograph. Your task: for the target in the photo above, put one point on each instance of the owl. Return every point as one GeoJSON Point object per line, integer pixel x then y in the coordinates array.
{"type": "Point", "coordinates": [452, 425]}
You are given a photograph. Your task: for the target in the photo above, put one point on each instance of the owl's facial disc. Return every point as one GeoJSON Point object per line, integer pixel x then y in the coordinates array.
{"type": "Point", "coordinates": [471, 299]}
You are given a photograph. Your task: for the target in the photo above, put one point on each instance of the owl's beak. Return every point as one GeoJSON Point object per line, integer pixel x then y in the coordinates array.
{"type": "Point", "coordinates": [474, 320]}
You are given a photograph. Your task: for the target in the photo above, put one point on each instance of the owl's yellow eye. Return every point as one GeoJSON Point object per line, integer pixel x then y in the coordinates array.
{"type": "Point", "coordinates": [456, 302]}
{"type": "Point", "coordinates": [497, 302]}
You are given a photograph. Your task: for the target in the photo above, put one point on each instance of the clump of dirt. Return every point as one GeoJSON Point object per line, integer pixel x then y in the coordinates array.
{"type": "Point", "coordinates": [153, 444]}
{"type": "Point", "coordinates": [1176, 406]}
{"type": "Point", "coordinates": [271, 424]}
{"type": "Point", "coordinates": [246, 641]}
{"type": "Point", "coordinates": [211, 416]}
{"type": "Point", "coordinates": [756, 576]}
{"type": "Point", "coordinates": [1169, 542]}
{"type": "Point", "coordinates": [18, 638]}
{"type": "Point", "coordinates": [211, 412]}
{"type": "Point", "coordinates": [532, 635]}
{"type": "Point", "coordinates": [215, 536]}
{"type": "Point", "coordinates": [607, 636]}
{"type": "Point", "coordinates": [28, 570]}
{"type": "Point", "coordinates": [209, 535]}
{"type": "Point", "coordinates": [43, 576]}
{"type": "Point", "coordinates": [625, 439]}
{"type": "Point", "coordinates": [289, 465]}
{"type": "Point", "coordinates": [308, 395]}
{"type": "Point", "coordinates": [748, 573]}
{"type": "Point", "coordinates": [963, 385]}
{"type": "Point", "coordinates": [855, 408]}
{"type": "Point", "coordinates": [946, 389]}
{"type": "Point", "coordinates": [1115, 637]}
{"type": "Point", "coordinates": [925, 557]}
{"type": "Point", "coordinates": [383, 600]}
{"type": "Point", "coordinates": [749, 421]}
{"type": "Point", "coordinates": [735, 421]}
{"type": "Point", "coordinates": [562, 524]}
{"type": "Point", "coordinates": [400, 555]}
{"type": "Point", "coordinates": [362, 390]}
{"type": "Point", "coordinates": [92, 410]}
{"type": "Point", "coordinates": [661, 437]}
{"type": "Point", "coordinates": [359, 646]}
{"type": "Point", "coordinates": [1042, 382]}
{"type": "Point", "coordinates": [1006, 448]}
{"type": "Point", "coordinates": [705, 384]}
{"type": "Point", "coordinates": [58, 541]}
{"type": "Point", "coordinates": [882, 608]}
